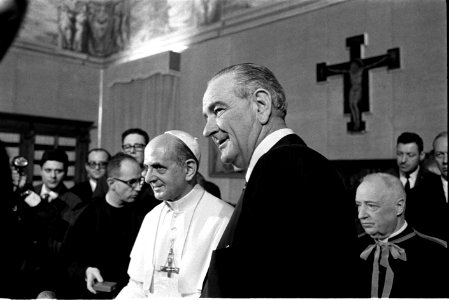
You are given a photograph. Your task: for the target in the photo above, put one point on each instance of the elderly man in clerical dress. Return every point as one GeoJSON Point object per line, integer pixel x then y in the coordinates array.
{"type": "Point", "coordinates": [396, 261]}
{"type": "Point", "coordinates": [172, 252]}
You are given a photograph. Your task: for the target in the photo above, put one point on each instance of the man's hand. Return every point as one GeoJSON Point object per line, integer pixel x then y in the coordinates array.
{"type": "Point", "coordinates": [92, 276]}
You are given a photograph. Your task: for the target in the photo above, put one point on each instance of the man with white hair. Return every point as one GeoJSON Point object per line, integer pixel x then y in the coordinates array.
{"type": "Point", "coordinates": [172, 251]}
{"type": "Point", "coordinates": [396, 260]}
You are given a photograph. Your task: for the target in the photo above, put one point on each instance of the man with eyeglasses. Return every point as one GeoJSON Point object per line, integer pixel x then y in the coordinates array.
{"type": "Point", "coordinates": [428, 209]}
{"type": "Point", "coordinates": [99, 245]}
{"type": "Point", "coordinates": [134, 141]}
{"type": "Point", "coordinates": [97, 161]}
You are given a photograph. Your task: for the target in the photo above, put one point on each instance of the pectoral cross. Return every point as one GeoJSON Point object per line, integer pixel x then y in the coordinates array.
{"type": "Point", "coordinates": [170, 267]}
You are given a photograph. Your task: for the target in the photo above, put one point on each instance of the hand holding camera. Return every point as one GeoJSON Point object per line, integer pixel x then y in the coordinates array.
{"type": "Point", "coordinates": [19, 178]}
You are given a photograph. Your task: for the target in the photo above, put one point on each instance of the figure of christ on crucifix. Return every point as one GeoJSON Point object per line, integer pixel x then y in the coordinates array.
{"type": "Point", "coordinates": [169, 266]}
{"type": "Point", "coordinates": [356, 81]}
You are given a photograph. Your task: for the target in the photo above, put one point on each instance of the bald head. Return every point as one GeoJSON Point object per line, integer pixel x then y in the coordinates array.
{"type": "Point", "coordinates": [380, 200]}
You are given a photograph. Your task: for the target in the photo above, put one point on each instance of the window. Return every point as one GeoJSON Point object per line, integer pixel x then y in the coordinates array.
{"type": "Point", "coordinates": [30, 136]}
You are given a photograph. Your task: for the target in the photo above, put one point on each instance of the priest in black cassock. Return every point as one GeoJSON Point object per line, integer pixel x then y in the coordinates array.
{"type": "Point", "coordinates": [99, 244]}
{"type": "Point", "coordinates": [396, 260]}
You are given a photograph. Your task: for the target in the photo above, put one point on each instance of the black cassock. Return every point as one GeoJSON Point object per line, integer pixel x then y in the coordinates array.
{"type": "Point", "coordinates": [423, 273]}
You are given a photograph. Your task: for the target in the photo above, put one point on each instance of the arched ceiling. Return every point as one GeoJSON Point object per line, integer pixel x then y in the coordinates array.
{"type": "Point", "coordinates": [101, 28]}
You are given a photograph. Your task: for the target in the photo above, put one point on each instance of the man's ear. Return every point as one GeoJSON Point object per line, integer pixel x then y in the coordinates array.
{"type": "Point", "coordinates": [110, 181]}
{"type": "Point", "coordinates": [422, 156]}
{"type": "Point", "coordinates": [262, 102]}
{"type": "Point", "coordinates": [191, 168]}
{"type": "Point", "coordinates": [400, 205]}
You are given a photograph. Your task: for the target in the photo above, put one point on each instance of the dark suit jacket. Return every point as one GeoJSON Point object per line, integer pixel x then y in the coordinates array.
{"type": "Point", "coordinates": [424, 274]}
{"type": "Point", "coordinates": [83, 190]}
{"type": "Point", "coordinates": [291, 235]}
{"type": "Point", "coordinates": [427, 209]}
{"type": "Point", "coordinates": [419, 178]}
{"type": "Point", "coordinates": [44, 229]}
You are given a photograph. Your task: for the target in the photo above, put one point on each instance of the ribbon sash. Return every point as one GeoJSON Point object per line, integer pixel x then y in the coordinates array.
{"type": "Point", "coordinates": [383, 251]}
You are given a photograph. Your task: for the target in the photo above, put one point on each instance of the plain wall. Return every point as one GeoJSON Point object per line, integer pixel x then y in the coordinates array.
{"type": "Point", "coordinates": [48, 85]}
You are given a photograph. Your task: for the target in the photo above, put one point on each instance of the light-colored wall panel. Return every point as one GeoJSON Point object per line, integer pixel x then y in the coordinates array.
{"type": "Point", "coordinates": [412, 98]}
{"type": "Point", "coordinates": [41, 84]}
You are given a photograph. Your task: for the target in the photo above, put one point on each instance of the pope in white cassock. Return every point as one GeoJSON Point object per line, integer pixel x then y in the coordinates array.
{"type": "Point", "coordinates": [171, 255]}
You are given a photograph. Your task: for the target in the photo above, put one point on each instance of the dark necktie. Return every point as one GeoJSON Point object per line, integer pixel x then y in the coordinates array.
{"type": "Point", "coordinates": [407, 184]}
{"type": "Point", "coordinates": [45, 197]}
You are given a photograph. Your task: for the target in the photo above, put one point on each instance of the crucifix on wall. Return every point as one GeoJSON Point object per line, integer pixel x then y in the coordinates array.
{"type": "Point", "coordinates": [355, 78]}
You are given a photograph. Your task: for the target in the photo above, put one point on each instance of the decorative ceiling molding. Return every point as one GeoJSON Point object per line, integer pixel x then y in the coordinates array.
{"type": "Point", "coordinates": [236, 20]}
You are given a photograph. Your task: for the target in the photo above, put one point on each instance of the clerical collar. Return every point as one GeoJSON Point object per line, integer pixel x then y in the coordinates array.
{"type": "Point", "coordinates": [411, 179]}
{"type": "Point", "coordinates": [188, 201]}
{"type": "Point", "coordinates": [397, 232]}
{"type": "Point", "coordinates": [267, 143]}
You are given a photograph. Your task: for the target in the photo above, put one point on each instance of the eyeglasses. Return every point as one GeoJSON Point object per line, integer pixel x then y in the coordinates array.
{"type": "Point", "coordinates": [93, 165]}
{"type": "Point", "coordinates": [136, 147]}
{"type": "Point", "coordinates": [132, 183]}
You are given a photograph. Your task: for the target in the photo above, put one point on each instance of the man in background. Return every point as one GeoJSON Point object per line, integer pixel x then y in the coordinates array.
{"type": "Point", "coordinates": [428, 208]}
{"type": "Point", "coordinates": [98, 247]}
{"type": "Point", "coordinates": [47, 214]}
{"type": "Point", "coordinates": [97, 161]}
{"type": "Point", "coordinates": [409, 154]}
{"type": "Point", "coordinates": [134, 141]}
{"type": "Point", "coordinates": [396, 261]}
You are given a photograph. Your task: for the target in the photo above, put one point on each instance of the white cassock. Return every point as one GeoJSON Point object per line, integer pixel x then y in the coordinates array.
{"type": "Point", "coordinates": [172, 252]}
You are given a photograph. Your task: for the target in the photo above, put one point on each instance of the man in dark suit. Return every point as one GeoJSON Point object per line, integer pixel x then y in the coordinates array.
{"type": "Point", "coordinates": [409, 155]}
{"type": "Point", "coordinates": [47, 214]}
{"type": "Point", "coordinates": [428, 207]}
{"type": "Point", "coordinates": [134, 141]}
{"type": "Point", "coordinates": [292, 233]}
{"type": "Point", "coordinates": [97, 161]}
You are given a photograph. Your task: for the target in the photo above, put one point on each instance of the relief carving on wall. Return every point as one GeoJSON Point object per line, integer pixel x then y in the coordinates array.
{"type": "Point", "coordinates": [100, 28]}
{"type": "Point", "coordinates": [93, 27]}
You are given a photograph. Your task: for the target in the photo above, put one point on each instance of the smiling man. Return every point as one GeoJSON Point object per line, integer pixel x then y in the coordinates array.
{"type": "Point", "coordinates": [396, 260]}
{"type": "Point", "coordinates": [173, 248]}
{"type": "Point", "coordinates": [286, 236]}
